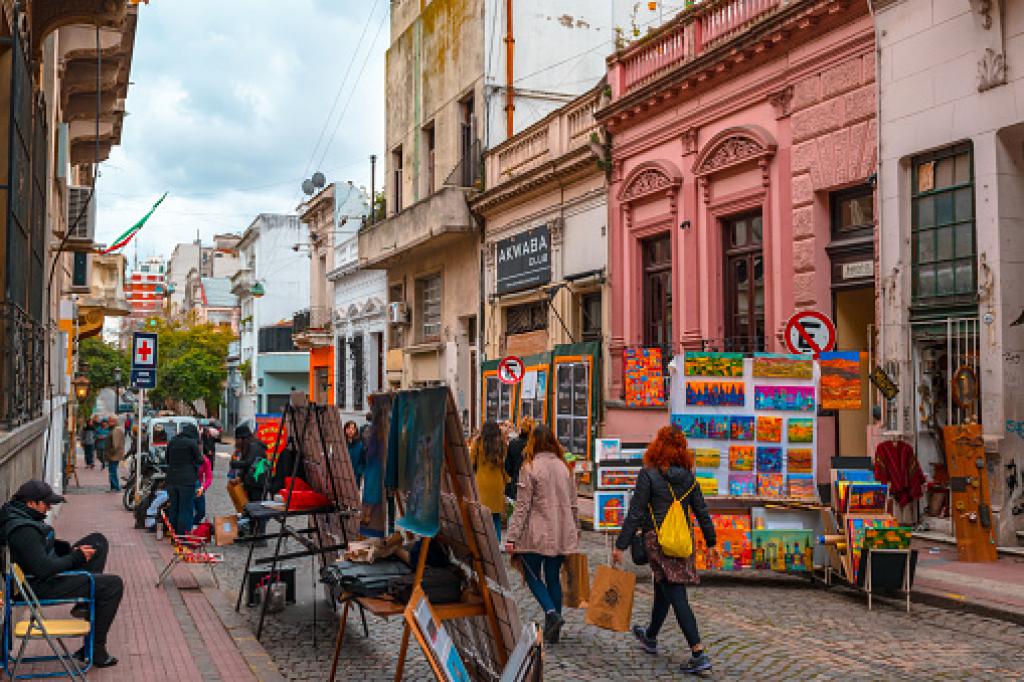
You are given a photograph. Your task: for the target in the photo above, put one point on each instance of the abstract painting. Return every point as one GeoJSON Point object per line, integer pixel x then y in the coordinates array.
{"type": "Point", "coordinates": [801, 486]}
{"type": "Point", "coordinates": [741, 428]}
{"type": "Point", "coordinates": [741, 457]}
{"type": "Point", "coordinates": [644, 378]}
{"type": "Point", "coordinates": [617, 478]}
{"type": "Point", "coordinates": [734, 548]}
{"type": "Point", "coordinates": [886, 538]}
{"type": "Point", "coordinates": [714, 364]}
{"type": "Point", "coordinates": [610, 507]}
{"type": "Point", "coordinates": [800, 460]}
{"type": "Point", "coordinates": [769, 485]}
{"type": "Point", "coordinates": [800, 430]}
{"type": "Point", "coordinates": [718, 427]}
{"type": "Point", "coordinates": [692, 426]}
{"type": "Point", "coordinates": [769, 460]}
{"type": "Point", "coordinates": [789, 398]}
{"type": "Point", "coordinates": [867, 497]}
{"type": "Point", "coordinates": [782, 366]}
{"type": "Point", "coordinates": [783, 550]}
{"type": "Point", "coordinates": [742, 484]}
{"type": "Point", "coordinates": [708, 482]}
{"type": "Point", "coordinates": [840, 381]}
{"type": "Point", "coordinates": [716, 393]}
{"type": "Point", "coordinates": [707, 458]}
{"type": "Point", "coordinates": [607, 448]}
{"type": "Point", "coordinates": [769, 429]}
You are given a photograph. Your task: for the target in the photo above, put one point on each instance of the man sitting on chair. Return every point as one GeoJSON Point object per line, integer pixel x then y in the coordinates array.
{"type": "Point", "coordinates": [34, 547]}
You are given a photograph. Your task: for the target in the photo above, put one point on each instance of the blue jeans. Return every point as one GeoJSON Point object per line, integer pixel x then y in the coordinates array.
{"type": "Point", "coordinates": [549, 590]}
{"type": "Point", "coordinates": [182, 513]}
{"type": "Point", "coordinates": [115, 484]}
{"type": "Point", "coordinates": [89, 451]}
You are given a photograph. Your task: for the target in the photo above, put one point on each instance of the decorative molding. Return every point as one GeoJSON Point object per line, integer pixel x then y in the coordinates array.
{"type": "Point", "coordinates": [651, 178]}
{"type": "Point", "coordinates": [647, 182]}
{"type": "Point", "coordinates": [782, 101]}
{"type": "Point", "coordinates": [983, 8]}
{"type": "Point", "coordinates": [689, 140]}
{"type": "Point", "coordinates": [732, 147]}
{"type": "Point", "coordinates": [991, 70]}
{"type": "Point", "coordinates": [556, 229]}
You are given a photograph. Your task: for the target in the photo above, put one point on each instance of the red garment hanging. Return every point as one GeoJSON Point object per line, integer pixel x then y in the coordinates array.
{"type": "Point", "coordinates": [896, 464]}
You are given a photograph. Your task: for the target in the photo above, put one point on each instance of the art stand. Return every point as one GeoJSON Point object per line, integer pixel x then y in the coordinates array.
{"type": "Point", "coordinates": [869, 562]}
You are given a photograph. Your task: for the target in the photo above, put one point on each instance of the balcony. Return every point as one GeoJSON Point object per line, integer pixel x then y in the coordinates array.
{"type": "Point", "coordinates": [241, 283]}
{"type": "Point", "coordinates": [311, 328]}
{"type": "Point", "coordinates": [22, 359]}
{"type": "Point", "coordinates": [106, 295]}
{"type": "Point", "coordinates": [437, 221]}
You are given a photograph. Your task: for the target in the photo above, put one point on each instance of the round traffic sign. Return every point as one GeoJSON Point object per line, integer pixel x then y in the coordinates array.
{"type": "Point", "coordinates": [810, 331]}
{"type": "Point", "coordinates": [510, 370]}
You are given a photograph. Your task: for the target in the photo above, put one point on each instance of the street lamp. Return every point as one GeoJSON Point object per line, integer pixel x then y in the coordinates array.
{"type": "Point", "coordinates": [117, 390]}
{"type": "Point", "coordinates": [81, 384]}
{"type": "Point", "coordinates": [257, 290]}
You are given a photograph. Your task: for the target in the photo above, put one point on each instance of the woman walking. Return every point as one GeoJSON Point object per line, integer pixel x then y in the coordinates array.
{"type": "Point", "coordinates": [544, 527]}
{"type": "Point", "coordinates": [667, 476]}
{"type": "Point", "coordinates": [356, 450]}
{"type": "Point", "coordinates": [102, 441]}
{"type": "Point", "coordinates": [115, 452]}
{"type": "Point", "coordinates": [488, 458]}
{"type": "Point", "coordinates": [184, 459]}
{"type": "Point", "coordinates": [88, 438]}
{"type": "Point", "coordinates": [514, 459]}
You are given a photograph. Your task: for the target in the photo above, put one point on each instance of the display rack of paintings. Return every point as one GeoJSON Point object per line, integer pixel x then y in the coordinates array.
{"type": "Point", "coordinates": [643, 377]}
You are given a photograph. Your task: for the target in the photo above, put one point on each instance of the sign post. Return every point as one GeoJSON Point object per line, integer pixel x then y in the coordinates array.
{"type": "Point", "coordinates": [810, 331]}
{"type": "Point", "coordinates": [511, 369]}
{"type": "Point", "coordinates": [143, 376]}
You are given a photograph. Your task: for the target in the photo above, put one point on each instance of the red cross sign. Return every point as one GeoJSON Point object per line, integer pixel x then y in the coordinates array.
{"type": "Point", "coordinates": [143, 350]}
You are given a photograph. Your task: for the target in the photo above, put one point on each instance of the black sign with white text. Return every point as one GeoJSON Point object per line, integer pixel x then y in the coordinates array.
{"type": "Point", "coordinates": [524, 260]}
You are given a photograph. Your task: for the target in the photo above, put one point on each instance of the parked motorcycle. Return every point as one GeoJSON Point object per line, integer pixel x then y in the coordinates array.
{"type": "Point", "coordinates": [151, 469]}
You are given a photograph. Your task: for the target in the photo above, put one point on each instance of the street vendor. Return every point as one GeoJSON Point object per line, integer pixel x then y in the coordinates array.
{"type": "Point", "coordinates": [252, 467]}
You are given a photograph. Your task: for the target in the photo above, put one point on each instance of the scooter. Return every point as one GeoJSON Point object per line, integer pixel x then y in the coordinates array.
{"type": "Point", "coordinates": [150, 468]}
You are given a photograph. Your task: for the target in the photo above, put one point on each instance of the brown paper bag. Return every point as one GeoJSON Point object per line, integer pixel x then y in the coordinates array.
{"type": "Point", "coordinates": [576, 581]}
{"type": "Point", "coordinates": [237, 494]}
{"type": "Point", "coordinates": [225, 530]}
{"type": "Point", "coordinates": [611, 599]}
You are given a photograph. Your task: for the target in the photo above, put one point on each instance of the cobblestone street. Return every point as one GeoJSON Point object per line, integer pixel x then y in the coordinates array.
{"type": "Point", "coordinates": [755, 627]}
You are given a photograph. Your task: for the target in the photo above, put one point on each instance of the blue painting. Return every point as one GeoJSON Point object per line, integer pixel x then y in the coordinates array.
{"type": "Point", "coordinates": [789, 398]}
{"type": "Point", "coordinates": [692, 426]}
{"type": "Point", "coordinates": [718, 427]}
{"type": "Point", "coordinates": [741, 428]}
{"type": "Point", "coordinates": [716, 393]}
{"type": "Point", "coordinates": [769, 460]}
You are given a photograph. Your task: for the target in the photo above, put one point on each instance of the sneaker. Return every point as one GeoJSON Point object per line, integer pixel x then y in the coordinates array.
{"type": "Point", "coordinates": [553, 622]}
{"type": "Point", "coordinates": [648, 644]}
{"type": "Point", "coordinates": [698, 663]}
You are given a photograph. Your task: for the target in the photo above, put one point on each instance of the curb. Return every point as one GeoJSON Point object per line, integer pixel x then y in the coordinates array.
{"type": "Point", "coordinates": [954, 603]}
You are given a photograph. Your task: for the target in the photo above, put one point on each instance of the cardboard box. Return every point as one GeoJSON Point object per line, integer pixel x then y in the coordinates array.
{"type": "Point", "coordinates": [225, 530]}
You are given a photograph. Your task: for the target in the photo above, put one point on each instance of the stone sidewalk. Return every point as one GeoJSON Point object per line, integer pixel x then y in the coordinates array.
{"type": "Point", "coordinates": [994, 589]}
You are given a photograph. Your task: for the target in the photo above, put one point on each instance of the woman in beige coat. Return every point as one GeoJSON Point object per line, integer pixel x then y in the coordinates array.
{"type": "Point", "coordinates": [544, 527]}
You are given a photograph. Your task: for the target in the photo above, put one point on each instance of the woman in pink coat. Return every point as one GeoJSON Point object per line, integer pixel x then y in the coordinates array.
{"type": "Point", "coordinates": [205, 479]}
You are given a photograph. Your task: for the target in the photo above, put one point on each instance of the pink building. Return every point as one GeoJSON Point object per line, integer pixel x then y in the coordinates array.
{"type": "Point", "coordinates": [744, 152]}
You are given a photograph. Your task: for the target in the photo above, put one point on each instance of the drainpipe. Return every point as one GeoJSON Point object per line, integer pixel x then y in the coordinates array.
{"type": "Point", "coordinates": [510, 46]}
{"type": "Point", "coordinates": [883, 351]}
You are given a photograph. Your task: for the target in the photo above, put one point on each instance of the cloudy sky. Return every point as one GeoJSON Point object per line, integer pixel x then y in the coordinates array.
{"type": "Point", "coordinates": [229, 111]}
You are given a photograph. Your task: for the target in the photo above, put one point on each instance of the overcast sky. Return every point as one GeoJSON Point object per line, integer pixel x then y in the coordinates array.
{"type": "Point", "coordinates": [226, 108]}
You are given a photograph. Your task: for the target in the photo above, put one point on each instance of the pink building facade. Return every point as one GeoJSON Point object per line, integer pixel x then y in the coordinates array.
{"type": "Point", "coordinates": [743, 155]}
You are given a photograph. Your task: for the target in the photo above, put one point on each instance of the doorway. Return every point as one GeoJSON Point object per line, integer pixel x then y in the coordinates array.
{"type": "Point", "coordinates": [855, 319]}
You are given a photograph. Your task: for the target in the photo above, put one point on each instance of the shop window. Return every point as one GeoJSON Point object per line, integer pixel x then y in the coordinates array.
{"type": "Point", "coordinates": [533, 395]}
{"type": "Point", "coordinates": [341, 374]}
{"type": "Point", "coordinates": [853, 213]}
{"type": "Point", "coordinates": [657, 291]}
{"type": "Point", "coordinates": [590, 316]}
{"type": "Point", "coordinates": [572, 406]}
{"type": "Point", "coordinates": [744, 284]}
{"type": "Point", "coordinates": [498, 400]}
{"type": "Point", "coordinates": [526, 317]}
{"type": "Point", "coordinates": [428, 307]}
{"type": "Point", "coordinates": [942, 220]}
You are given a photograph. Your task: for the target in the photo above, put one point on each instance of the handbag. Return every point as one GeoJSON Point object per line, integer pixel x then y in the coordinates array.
{"type": "Point", "coordinates": [637, 549]}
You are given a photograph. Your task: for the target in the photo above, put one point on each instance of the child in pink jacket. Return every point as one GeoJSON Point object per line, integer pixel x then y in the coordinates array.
{"type": "Point", "coordinates": [205, 479]}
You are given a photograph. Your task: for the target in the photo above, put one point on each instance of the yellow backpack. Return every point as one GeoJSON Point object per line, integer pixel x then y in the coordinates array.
{"type": "Point", "coordinates": [674, 535]}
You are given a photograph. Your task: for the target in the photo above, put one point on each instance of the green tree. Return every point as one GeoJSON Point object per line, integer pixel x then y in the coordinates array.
{"type": "Point", "coordinates": [99, 360]}
{"type": "Point", "coordinates": [191, 364]}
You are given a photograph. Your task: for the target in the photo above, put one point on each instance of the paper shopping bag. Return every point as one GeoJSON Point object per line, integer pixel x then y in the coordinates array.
{"type": "Point", "coordinates": [576, 581]}
{"type": "Point", "coordinates": [611, 599]}
{"type": "Point", "coordinates": [237, 494]}
{"type": "Point", "coordinates": [225, 530]}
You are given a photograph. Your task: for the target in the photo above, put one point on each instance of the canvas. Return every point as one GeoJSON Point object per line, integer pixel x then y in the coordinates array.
{"type": "Point", "coordinates": [840, 381]}
{"type": "Point", "coordinates": [713, 364]}
{"type": "Point", "coordinates": [782, 366]}
{"type": "Point", "coordinates": [741, 457]}
{"type": "Point", "coordinates": [866, 497]}
{"type": "Point", "coordinates": [734, 552]}
{"type": "Point", "coordinates": [801, 486]}
{"type": "Point", "coordinates": [707, 458]}
{"type": "Point", "coordinates": [643, 377]}
{"type": "Point", "coordinates": [718, 427]}
{"type": "Point", "coordinates": [373, 521]}
{"type": "Point", "coordinates": [769, 459]}
{"type": "Point", "coordinates": [800, 460]}
{"type": "Point", "coordinates": [708, 482]}
{"type": "Point", "coordinates": [888, 538]}
{"type": "Point", "coordinates": [617, 478]}
{"type": "Point", "coordinates": [856, 526]}
{"type": "Point", "coordinates": [741, 428]}
{"type": "Point", "coordinates": [632, 454]}
{"type": "Point", "coordinates": [716, 393]}
{"type": "Point", "coordinates": [769, 485]}
{"type": "Point", "coordinates": [769, 429]}
{"type": "Point", "coordinates": [743, 484]}
{"type": "Point", "coordinates": [788, 398]}
{"type": "Point", "coordinates": [607, 448]}
{"type": "Point", "coordinates": [783, 550]}
{"type": "Point", "coordinates": [841, 487]}
{"type": "Point", "coordinates": [800, 430]}
{"type": "Point", "coordinates": [416, 447]}
{"type": "Point", "coordinates": [692, 426]}
{"type": "Point", "coordinates": [610, 507]}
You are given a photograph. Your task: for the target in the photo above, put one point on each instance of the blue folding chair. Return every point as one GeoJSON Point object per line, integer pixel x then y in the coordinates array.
{"type": "Point", "coordinates": [18, 593]}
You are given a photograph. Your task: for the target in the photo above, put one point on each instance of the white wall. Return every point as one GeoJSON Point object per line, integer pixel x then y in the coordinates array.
{"type": "Point", "coordinates": [283, 272]}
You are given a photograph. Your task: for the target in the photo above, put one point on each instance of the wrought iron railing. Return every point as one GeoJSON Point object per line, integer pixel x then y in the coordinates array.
{"type": "Point", "coordinates": [313, 318]}
{"type": "Point", "coordinates": [734, 344]}
{"type": "Point", "coordinates": [22, 366]}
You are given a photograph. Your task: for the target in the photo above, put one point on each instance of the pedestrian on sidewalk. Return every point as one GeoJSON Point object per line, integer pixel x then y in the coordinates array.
{"type": "Point", "coordinates": [356, 450]}
{"type": "Point", "coordinates": [35, 548]}
{"type": "Point", "coordinates": [488, 458]}
{"type": "Point", "coordinates": [184, 460]}
{"type": "Point", "coordinates": [253, 469]}
{"type": "Point", "coordinates": [667, 476]}
{"type": "Point", "coordinates": [115, 453]}
{"type": "Point", "coordinates": [102, 440]}
{"type": "Point", "coordinates": [514, 458]}
{"type": "Point", "coordinates": [544, 527]}
{"type": "Point", "coordinates": [88, 438]}
{"type": "Point", "coordinates": [205, 479]}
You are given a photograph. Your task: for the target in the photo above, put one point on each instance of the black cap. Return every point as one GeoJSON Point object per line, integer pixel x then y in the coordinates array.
{"type": "Point", "coordinates": [242, 431]}
{"type": "Point", "coordinates": [38, 491]}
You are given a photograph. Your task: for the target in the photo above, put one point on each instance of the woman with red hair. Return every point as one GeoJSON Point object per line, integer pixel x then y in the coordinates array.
{"type": "Point", "coordinates": [667, 476]}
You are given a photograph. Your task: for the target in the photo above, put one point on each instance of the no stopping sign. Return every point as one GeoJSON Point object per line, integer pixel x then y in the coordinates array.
{"type": "Point", "coordinates": [810, 331]}
{"type": "Point", "coordinates": [510, 370]}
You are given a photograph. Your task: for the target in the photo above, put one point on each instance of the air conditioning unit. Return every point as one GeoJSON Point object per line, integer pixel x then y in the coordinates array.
{"type": "Point", "coordinates": [398, 313]}
{"type": "Point", "coordinates": [84, 231]}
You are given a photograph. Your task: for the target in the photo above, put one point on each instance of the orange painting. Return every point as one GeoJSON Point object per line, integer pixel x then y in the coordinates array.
{"type": "Point", "coordinates": [840, 381]}
{"type": "Point", "coordinates": [799, 460]}
{"type": "Point", "coordinates": [769, 429]}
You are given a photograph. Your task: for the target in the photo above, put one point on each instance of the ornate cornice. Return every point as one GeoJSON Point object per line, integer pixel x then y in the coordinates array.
{"type": "Point", "coordinates": [732, 147]}
{"type": "Point", "coordinates": [991, 70]}
{"type": "Point", "coordinates": [650, 178]}
{"type": "Point", "coordinates": [781, 101]}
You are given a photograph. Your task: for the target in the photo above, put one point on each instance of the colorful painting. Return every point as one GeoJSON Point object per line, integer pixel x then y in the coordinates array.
{"type": "Point", "coordinates": [801, 486]}
{"type": "Point", "coordinates": [770, 485]}
{"type": "Point", "coordinates": [769, 459]}
{"type": "Point", "coordinates": [800, 430]}
{"type": "Point", "coordinates": [632, 454]}
{"type": "Point", "coordinates": [734, 550]}
{"type": "Point", "coordinates": [692, 426]}
{"type": "Point", "coordinates": [607, 448]}
{"type": "Point", "coordinates": [610, 507]}
{"type": "Point", "coordinates": [856, 527]}
{"type": "Point", "coordinates": [707, 458]}
{"type": "Point", "coordinates": [769, 429]}
{"type": "Point", "coordinates": [840, 381]}
{"type": "Point", "coordinates": [783, 366]}
{"type": "Point", "coordinates": [841, 487]}
{"type": "Point", "coordinates": [741, 428]}
{"type": "Point", "coordinates": [617, 478]}
{"type": "Point", "coordinates": [716, 393]}
{"type": "Point", "coordinates": [866, 497]}
{"type": "Point", "coordinates": [800, 460]}
{"type": "Point", "coordinates": [741, 457]}
{"type": "Point", "coordinates": [788, 398]}
{"type": "Point", "coordinates": [713, 364]}
{"type": "Point", "coordinates": [718, 427]}
{"type": "Point", "coordinates": [888, 538]}
{"type": "Point", "coordinates": [643, 377]}
{"type": "Point", "coordinates": [708, 482]}
{"type": "Point", "coordinates": [743, 484]}
{"type": "Point", "coordinates": [783, 550]}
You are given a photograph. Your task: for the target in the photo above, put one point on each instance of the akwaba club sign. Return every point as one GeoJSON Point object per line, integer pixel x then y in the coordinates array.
{"type": "Point", "coordinates": [524, 260]}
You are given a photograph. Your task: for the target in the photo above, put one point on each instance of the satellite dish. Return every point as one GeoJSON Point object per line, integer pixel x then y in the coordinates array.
{"type": "Point", "coordinates": [319, 180]}
{"type": "Point", "coordinates": [308, 188]}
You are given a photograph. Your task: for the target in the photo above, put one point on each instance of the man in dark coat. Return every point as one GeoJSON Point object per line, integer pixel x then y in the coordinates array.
{"type": "Point", "coordinates": [184, 458]}
{"type": "Point", "coordinates": [253, 467]}
{"type": "Point", "coordinates": [34, 547]}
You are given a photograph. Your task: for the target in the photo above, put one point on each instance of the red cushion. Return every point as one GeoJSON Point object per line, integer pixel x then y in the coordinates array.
{"type": "Point", "coordinates": [299, 484]}
{"type": "Point", "coordinates": [305, 499]}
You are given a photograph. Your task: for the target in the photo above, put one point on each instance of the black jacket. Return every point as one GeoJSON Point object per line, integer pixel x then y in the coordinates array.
{"type": "Point", "coordinates": [246, 464]}
{"type": "Point", "coordinates": [513, 463]}
{"type": "Point", "coordinates": [34, 545]}
{"type": "Point", "coordinates": [184, 458]}
{"type": "Point", "coordinates": [652, 488]}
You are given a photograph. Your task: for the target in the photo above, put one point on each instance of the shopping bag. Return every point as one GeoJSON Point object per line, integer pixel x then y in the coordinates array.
{"type": "Point", "coordinates": [237, 494]}
{"type": "Point", "coordinates": [576, 581]}
{"type": "Point", "coordinates": [225, 530]}
{"type": "Point", "coordinates": [611, 599]}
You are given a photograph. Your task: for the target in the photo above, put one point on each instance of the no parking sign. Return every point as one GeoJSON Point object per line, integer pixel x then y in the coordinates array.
{"type": "Point", "coordinates": [511, 369]}
{"type": "Point", "coordinates": [810, 331]}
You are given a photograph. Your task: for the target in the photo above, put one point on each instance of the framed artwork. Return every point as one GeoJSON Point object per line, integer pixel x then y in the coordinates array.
{"type": "Point", "coordinates": [783, 366]}
{"type": "Point", "coordinates": [800, 430]}
{"type": "Point", "coordinates": [610, 507]}
{"type": "Point", "coordinates": [707, 458]}
{"type": "Point", "coordinates": [769, 485]}
{"type": "Point", "coordinates": [643, 377]}
{"type": "Point", "coordinates": [786, 398]}
{"type": "Point", "coordinates": [741, 428]}
{"type": "Point", "coordinates": [692, 425]}
{"type": "Point", "coordinates": [718, 427]}
{"type": "Point", "coordinates": [801, 486]}
{"type": "Point", "coordinates": [617, 478]}
{"type": "Point", "coordinates": [716, 393]}
{"type": "Point", "coordinates": [783, 550]}
{"type": "Point", "coordinates": [769, 429]}
{"type": "Point", "coordinates": [713, 364]}
{"type": "Point", "coordinates": [800, 460]}
{"type": "Point", "coordinates": [840, 381]}
{"type": "Point", "coordinates": [769, 459]}
{"type": "Point", "coordinates": [743, 484]}
{"type": "Point", "coordinates": [741, 457]}
{"type": "Point", "coordinates": [866, 497]}
{"type": "Point", "coordinates": [607, 448]}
